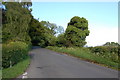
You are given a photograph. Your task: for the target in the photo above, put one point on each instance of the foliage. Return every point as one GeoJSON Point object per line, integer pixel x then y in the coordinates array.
{"type": "Point", "coordinates": [16, 70]}
{"type": "Point", "coordinates": [111, 44]}
{"type": "Point", "coordinates": [36, 33]}
{"type": "Point", "coordinates": [16, 19]}
{"type": "Point", "coordinates": [76, 32]}
{"type": "Point", "coordinates": [104, 49]}
{"type": "Point", "coordinates": [53, 28]}
{"type": "Point", "coordinates": [14, 52]}
{"type": "Point", "coordinates": [42, 33]}
{"type": "Point", "coordinates": [110, 52]}
{"type": "Point", "coordinates": [51, 40]}
{"type": "Point", "coordinates": [86, 54]}
{"type": "Point", "coordinates": [50, 26]}
{"type": "Point", "coordinates": [61, 40]}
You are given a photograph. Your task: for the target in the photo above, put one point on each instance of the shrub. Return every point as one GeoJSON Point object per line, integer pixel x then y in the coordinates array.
{"type": "Point", "coordinates": [104, 49]}
{"type": "Point", "coordinates": [14, 52]}
{"type": "Point", "coordinates": [109, 52]}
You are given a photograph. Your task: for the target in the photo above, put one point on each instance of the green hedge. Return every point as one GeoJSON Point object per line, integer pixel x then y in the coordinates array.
{"type": "Point", "coordinates": [103, 49]}
{"type": "Point", "coordinates": [13, 52]}
{"type": "Point", "coordinates": [109, 52]}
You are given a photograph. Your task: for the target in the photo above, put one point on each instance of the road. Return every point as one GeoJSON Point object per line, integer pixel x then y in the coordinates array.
{"type": "Point", "coordinates": [49, 64]}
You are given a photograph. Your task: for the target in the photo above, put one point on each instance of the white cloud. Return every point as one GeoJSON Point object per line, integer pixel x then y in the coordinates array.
{"type": "Point", "coordinates": [99, 35]}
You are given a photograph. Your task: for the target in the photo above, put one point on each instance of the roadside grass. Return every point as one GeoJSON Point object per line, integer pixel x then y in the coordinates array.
{"type": "Point", "coordinates": [16, 70]}
{"type": "Point", "coordinates": [86, 54]}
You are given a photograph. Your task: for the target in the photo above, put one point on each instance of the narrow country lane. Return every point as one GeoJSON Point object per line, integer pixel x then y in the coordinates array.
{"type": "Point", "coordinates": [49, 64]}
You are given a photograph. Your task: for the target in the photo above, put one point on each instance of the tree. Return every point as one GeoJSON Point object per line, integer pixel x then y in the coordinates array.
{"type": "Point", "coordinates": [50, 26]}
{"type": "Point", "coordinates": [111, 44]}
{"type": "Point", "coordinates": [53, 28]}
{"type": "Point", "coordinates": [16, 21]}
{"type": "Point", "coordinates": [76, 32]}
{"type": "Point", "coordinates": [61, 40]}
{"type": "Point", "coordinates": [107, 44]}
{"type": "Point", "coordinates": [37, 33]}
{"type": "Point", "coordinates": [59, 30]}
{"type": "Point", "coordinates": [41, 34]}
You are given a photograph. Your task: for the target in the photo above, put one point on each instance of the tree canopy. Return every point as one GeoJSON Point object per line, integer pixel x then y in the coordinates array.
{"type": "Point", "coordinates": [20, 25]}
{"type": "Point", "coordinates": [76, 31]}
{"type": "Point", "coordinates": [16, 19]}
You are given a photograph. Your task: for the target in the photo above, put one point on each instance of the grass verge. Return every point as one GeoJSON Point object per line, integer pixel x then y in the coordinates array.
{"type": "Point", "coordinates": [85, 54]}
{"type": "Point", "coordinates": [16, 70]}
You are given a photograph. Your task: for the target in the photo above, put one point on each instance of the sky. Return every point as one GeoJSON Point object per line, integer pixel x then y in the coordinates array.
{"type": "Point", "coordinates": [73, 0]}
{"type": "Point", "coordinates": [102, 17]}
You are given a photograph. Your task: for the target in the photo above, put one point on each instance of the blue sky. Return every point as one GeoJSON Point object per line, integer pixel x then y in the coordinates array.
{"type": "Point", "coordinates": [102, 17]}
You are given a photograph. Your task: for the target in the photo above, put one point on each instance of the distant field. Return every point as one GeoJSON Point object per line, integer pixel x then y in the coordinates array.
{"type": "Point", "coordinates": [86, 54]}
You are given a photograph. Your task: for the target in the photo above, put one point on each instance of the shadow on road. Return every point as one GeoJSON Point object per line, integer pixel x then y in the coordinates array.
{"type": "Point", "coordinates": [36, 47]}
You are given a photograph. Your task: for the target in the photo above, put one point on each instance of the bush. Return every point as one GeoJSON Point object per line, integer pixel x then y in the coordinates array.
{"type": "Point", "coordinates": [109, 52]}
{"type": "Point", "coordinates": [104, 49]}
{"type": "Point", "coordinates": [13, 52]}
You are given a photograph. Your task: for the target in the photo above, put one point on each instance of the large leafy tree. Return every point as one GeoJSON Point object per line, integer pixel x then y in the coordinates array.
{"type": "Point", "coordinates": [16, 19]}
{"type": "Point", "coordinates": [76, 32]}
{"type": "Point", "coordinates": [42, 33]}
{"type": "Point", "coordinates": [37, 33]}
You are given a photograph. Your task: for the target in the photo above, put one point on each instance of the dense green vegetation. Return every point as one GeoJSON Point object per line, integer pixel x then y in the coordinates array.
{"type": "Point", "coordinates": [15, 38]}
{"type": "Point", "coordinates": [16, 41]}
{"type": "Point", "coordinates": [16, 19]}
{"type": "Point", "coordinates": [43, 33]}
{"type": "Point", "coordinates": [13, 53]}
{"type": "Point", "coordinates": [107, 59]}
{"type": "Point", "coordinates": [16, 70]}
{"type": "Point", "coordinates": [76, 32]}
{"type": "Point", "coordinates": [108, 52]}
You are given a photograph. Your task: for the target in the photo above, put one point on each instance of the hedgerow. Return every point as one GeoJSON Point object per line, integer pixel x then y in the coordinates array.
{"type": "Point", "coordinates": [110, 52]}
{"type": "Point", "coordinates": [14, 52]}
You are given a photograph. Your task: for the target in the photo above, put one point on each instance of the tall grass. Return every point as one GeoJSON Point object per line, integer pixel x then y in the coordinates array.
{"type": "Point", "coordinates": [86, 54]}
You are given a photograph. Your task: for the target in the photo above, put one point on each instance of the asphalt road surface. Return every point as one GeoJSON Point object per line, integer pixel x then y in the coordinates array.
{"type": "Point", "coordinates": [49, 64]}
